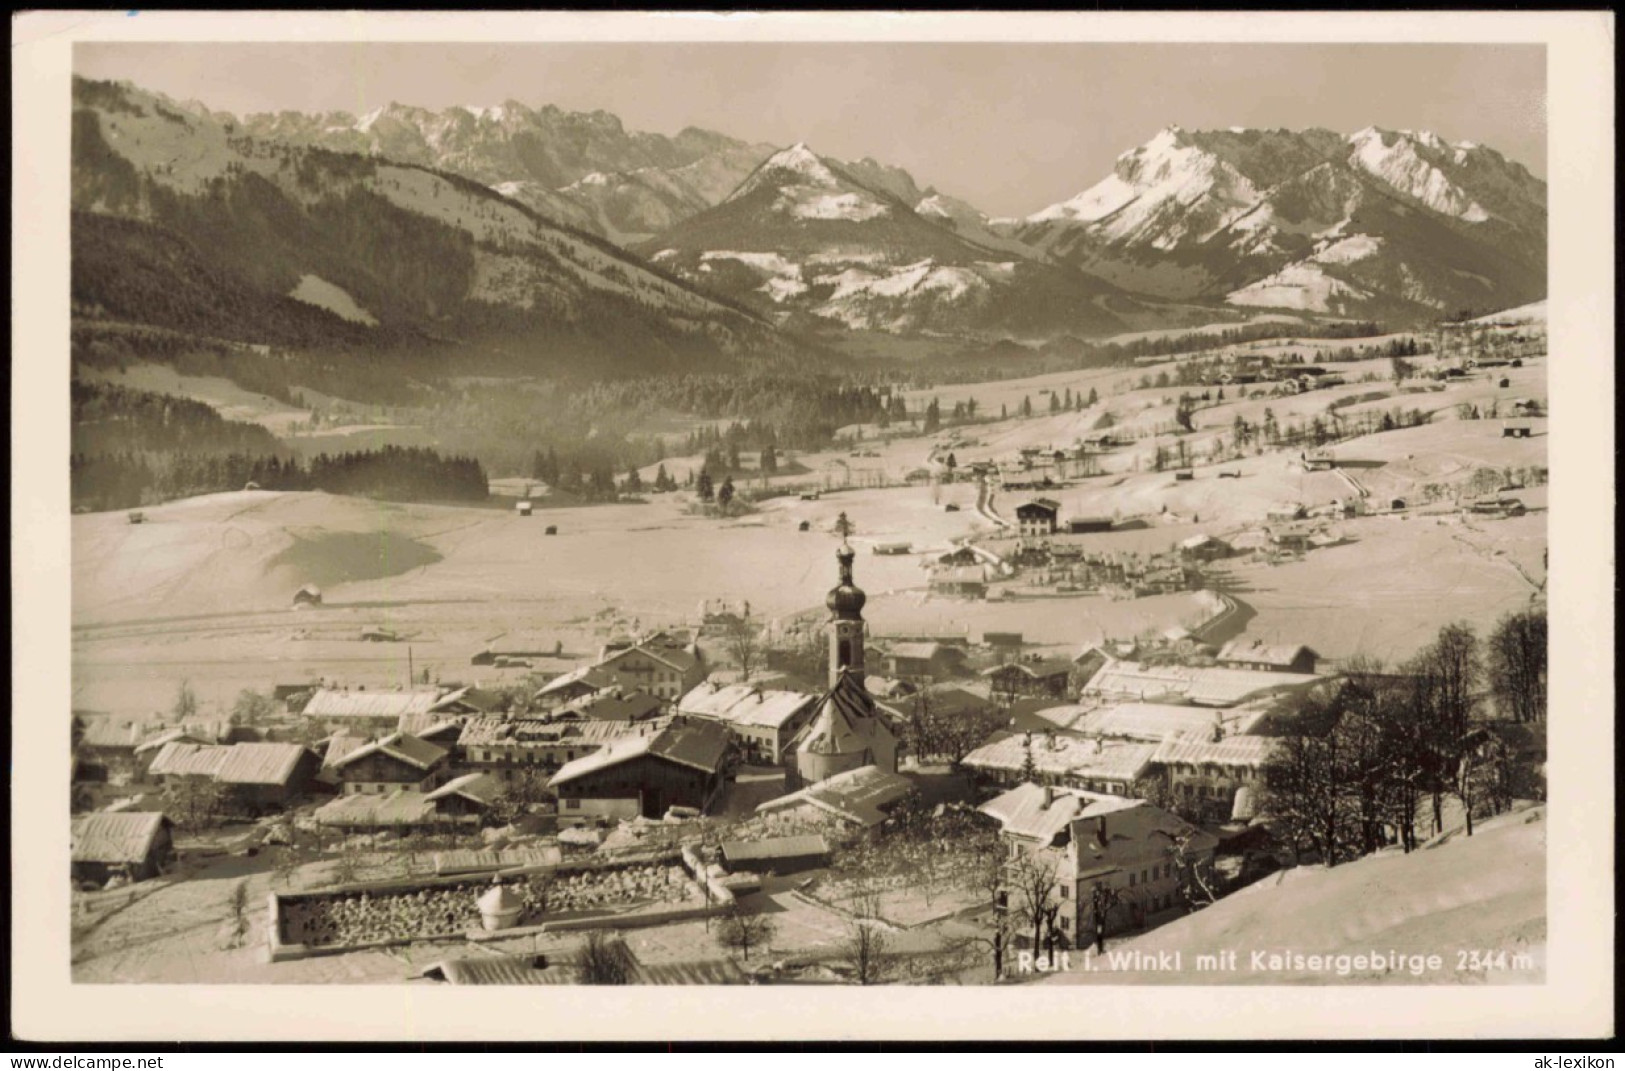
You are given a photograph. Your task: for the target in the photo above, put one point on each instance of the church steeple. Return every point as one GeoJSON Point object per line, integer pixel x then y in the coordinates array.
{"type": "Point", "coordinates": [845, 602]}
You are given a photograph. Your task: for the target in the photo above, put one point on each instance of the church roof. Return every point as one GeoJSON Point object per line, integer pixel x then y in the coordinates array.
{"type": "Point", "coordinates": [844, 722]}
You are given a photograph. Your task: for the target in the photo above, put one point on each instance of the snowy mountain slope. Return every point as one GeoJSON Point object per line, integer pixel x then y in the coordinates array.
{"type": "Point", "coordinates": [1246, 216]}
{"type": "Point", "coordinates": [805, 235]}
{"type": "Point", "coordinates": [396, 248]}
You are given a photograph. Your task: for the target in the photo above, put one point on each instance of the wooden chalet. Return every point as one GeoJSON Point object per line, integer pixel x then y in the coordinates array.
{"type": "Point", "coordinates": [684, 765]}
{"type": "Point", "coordinates": [398, 761]}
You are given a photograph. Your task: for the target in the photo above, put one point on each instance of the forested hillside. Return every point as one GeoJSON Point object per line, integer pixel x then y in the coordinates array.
{"type": "Point", "coordinates": [132, 448]}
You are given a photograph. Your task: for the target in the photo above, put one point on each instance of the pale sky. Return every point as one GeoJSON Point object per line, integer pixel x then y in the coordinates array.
{"type": "Point", "coordinates": [1010, 128]}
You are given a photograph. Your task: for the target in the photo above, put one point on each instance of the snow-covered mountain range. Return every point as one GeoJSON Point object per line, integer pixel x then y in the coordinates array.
{"type": "Point", "coordinates": [860, 245]}
{"type": "Point", "coordinates": [582, 168]}
{"type": "Point", "coordinates": [1391, 223]}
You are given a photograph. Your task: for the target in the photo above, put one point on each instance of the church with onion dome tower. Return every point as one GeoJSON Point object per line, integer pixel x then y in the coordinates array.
{"type": "Point", "coordinates": [846, 732]}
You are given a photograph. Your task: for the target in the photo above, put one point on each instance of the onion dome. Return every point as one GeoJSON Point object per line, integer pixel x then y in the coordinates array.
{"type": "Point", "coordinates": [846, 599]}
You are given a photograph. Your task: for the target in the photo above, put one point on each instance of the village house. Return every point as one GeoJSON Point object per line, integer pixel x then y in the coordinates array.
{"type": "Point", "coordinates": [1087, 525]}
{"type": "Point", "coordinates": [1210, 774]}
{"type": "Point", "coordinates": [862, 798]}
{"type": "Point", "coordinates": [1162, 579]}
{"type": "Point", "coordinates": [133, 845]}
{"type": "Point", "coordinates": [257, 777]}
{"type": "Point", "coordinates": [399, 810]}
{"type": "Point", "coordinates": [467, 796]}
{"type": "Point", "coordinates": [1204, 548]}
{"type": "Point", "coordinates": [924, 663]}
{"type": "Point", "coordinates": [611, 704]}
{"type": "Point", "coordinates": [107, 749]}
{"type": "Point", "coordinates": [1208, 686]}
{"type": "Point", "coordinates": [684, 765]}
{"type": "Point", "coordinates": [149, 748]}
{"type": "Point", "coordinates": [1005, 643]}
{"type": "Point", "coordinates": [764, 722]}
{"type": "Point", "coordinates": [398, 761]}
{"type": "Point", "coordinates": [1154, 722]}
{"type": "Point", "coordinates": [434, 728]}
{"type": "Point", "coordinates": [1043, 715]}
{"type": "Point", "coordinates": [1140, 853]}
{"type": "Point", "coordinates": [776, 855]}
{"type": "Point", "coordinates": [336, 747]}
{"type": "Point", "coordinates": [943, 700]}
{"type": "Point", "coordinates": [1014, 680]}
{"type": "Point", "coordinates": [508, 749]}
{"type": "Point", "coordinates": [959, 582]}
{"type": "Point", "coordinates": [1041, 516]}
{"type": "Point", "coordinates": [1291, 540]}
{"type": "Point", "coordinates": [267, 777]}
{"type": "Point", "coordinates": [569, 687]}
{"type": "Point", "coordinates": [1497, 506]}
{"type": "Point", "coordinates": [377, 711]}
{"type": "Point", "coordinates": [1269, 657]}
{"type": "Point", "coordinates": [665, 672]}
{"type": "Point", "coordinates": [959, 556]}
{"type": "Point", "coordinates": [1061, 758]}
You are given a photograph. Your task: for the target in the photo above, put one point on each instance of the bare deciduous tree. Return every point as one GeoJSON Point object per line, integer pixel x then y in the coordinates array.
{"type": "Point", "coordinates": [1517, 665]}
{"type": "Point", "coordinates": [603, 960]}
{"type": "Point", "coordinates": [868, 943]}
{"type": "Point", "coordinates": [1031, 876]}
{"type": "Point", "coordinates": [744, 930]}
{"type": "Point", "coordinates": [744, 644]}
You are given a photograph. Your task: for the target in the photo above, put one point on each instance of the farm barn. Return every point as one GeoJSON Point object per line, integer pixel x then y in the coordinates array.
{"type": "Point", "coordinates": [135, 845]}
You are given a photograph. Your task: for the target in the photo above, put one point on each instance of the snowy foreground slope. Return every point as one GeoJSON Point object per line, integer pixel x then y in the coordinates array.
{"type": "Point", "coordinates": [1464, 900]}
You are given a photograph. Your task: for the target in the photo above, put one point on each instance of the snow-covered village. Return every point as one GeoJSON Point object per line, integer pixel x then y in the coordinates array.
{"type": "Point", "coordinates": [524, 537]}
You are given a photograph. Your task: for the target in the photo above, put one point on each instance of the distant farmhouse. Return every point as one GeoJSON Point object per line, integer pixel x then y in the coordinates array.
{"type": "Point", "coordinates": [1015, 680]}
{"type": "Point", "coordinates": [924, 663]}
{"type": "Point", "coordinates": [1272, 658]}
{"type": "Point", "coordinates": [1041, 516]}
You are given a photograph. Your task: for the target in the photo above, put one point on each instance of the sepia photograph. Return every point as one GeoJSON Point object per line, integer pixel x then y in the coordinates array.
{"type": "Point", "coordinates": [997, 510]}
